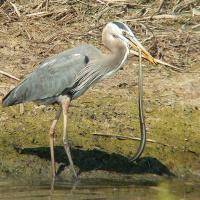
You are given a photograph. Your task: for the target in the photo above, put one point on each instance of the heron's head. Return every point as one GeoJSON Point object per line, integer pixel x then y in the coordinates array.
{"type": "Point", "coordinates": [120, 31]}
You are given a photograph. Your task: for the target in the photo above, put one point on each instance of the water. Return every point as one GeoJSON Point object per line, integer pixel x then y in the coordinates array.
{"type": "Point", "coordinates": [102, 189]}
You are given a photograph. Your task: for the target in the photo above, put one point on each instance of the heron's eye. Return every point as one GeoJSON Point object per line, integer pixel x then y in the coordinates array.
{"type": "Point", "coordinates": [115, 36]}
{"type": "Point", "coordinates": [125, 34]}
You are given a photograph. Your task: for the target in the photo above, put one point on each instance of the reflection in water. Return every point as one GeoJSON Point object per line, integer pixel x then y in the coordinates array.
{"type": "Point", "coordinates": [99, 189]}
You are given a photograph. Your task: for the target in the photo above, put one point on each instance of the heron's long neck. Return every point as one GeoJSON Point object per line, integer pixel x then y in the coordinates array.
{"type": "Point", "coordinates": [118, 51]}
{"type": "Point", "coordinates": [117, 56]}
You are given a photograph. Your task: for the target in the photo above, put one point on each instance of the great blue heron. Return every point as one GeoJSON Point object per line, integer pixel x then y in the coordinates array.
{"type": "Point", "coordinates": [66, 76]}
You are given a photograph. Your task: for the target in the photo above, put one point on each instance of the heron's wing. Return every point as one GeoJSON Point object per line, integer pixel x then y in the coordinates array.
{"type": "Point", "coordinates": [90, 74]}
{"type": "Point", "coordinates": [49, 79]}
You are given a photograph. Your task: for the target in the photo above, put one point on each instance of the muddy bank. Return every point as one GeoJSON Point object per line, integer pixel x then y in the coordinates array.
{"type": "Point", "coordinates": [24, 138]}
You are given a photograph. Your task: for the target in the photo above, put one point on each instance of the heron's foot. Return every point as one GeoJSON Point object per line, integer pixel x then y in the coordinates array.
{"type": "Point", "coordinates": [68, 152]}
{"type": "Point", "coordinates": [21, 108]}
{"type": "Point", "coordinates": [75, 174]}
{"type": "Point", "coordinates": [72, 168]}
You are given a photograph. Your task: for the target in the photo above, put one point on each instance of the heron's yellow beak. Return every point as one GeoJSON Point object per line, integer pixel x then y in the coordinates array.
{"type": "Point", "coordinates": [137, 45]}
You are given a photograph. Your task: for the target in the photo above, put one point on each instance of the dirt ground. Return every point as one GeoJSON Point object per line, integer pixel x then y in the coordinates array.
{"type": "Point", "coordinates": [31, 31]}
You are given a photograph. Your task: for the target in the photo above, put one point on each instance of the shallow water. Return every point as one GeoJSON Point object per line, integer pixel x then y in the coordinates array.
{"type": "Point", "coordinates": [102, 189]}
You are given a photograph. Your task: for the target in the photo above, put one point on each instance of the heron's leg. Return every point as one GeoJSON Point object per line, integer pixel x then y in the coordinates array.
{"type": "Point", "coordinates": [51, 140]}
{"type": "Point", "coordinates": [65, 107]}
{"type": "Point", "coordinates": [21, 108]}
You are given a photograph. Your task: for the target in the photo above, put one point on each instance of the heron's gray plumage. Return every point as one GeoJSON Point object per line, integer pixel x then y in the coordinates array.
{"type": "Point", "coordinates": [53, 77]}
{"type": "Point", "coordinates": [71, 72]}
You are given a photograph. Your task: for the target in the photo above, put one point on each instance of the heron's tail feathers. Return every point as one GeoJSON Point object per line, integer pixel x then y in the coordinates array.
{"type": "Point", "coordinates": [10, 99]}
